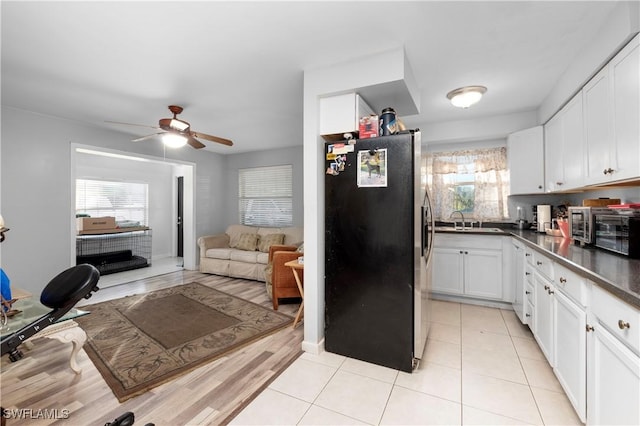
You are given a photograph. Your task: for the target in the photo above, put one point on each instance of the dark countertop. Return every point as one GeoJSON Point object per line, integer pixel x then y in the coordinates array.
{"type": "Point", "coordinates": [615, 273]}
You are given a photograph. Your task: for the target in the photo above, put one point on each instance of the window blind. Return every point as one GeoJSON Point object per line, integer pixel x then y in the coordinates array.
{"type": "Point", "coordinates": [265, 196]}
{"type": "Point", "coordinates": [126, 201]}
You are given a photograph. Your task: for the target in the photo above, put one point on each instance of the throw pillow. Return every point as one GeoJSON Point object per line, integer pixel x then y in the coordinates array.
{"type": "Point", "coordinates": [268, 240]}
{"type": "Point", "coordinates": [268, 272]}
{"type": "Point", "coordinates": [247, 242]}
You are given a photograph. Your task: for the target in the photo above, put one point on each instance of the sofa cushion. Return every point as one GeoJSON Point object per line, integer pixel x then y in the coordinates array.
{"type": "Point", "coordinates": [244, 256]}
{"type": "Point", "coordinates": [293, 235]}
{"type": "Point", "coordinates": [247, 242]}
{"type": "Point", "coordinates": [234, 232]}
{"type": "Point", "coordinates": [219, 253]}
{"type": "Point", "coordinates": [262, 258]}
{"type": "Point", "coordinates": [268, 240]}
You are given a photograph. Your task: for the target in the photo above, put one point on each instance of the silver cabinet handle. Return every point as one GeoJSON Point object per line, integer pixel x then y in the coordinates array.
{"type": "Point", "coordinates": [589, 328]}
{"type": "Point", "coordinates": [563, 280]}
{"type": "Point", "coordinates": [623, 325]}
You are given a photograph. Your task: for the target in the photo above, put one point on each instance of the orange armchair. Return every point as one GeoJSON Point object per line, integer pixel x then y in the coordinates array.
{"type": "Point", "coordinates": [283, 283]}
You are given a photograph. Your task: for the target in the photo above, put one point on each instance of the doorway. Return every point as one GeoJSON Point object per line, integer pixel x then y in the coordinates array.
{"type": "Point", "coordinates": [180, 227]}
{"type": "Point", "coordinates": [170, 249]}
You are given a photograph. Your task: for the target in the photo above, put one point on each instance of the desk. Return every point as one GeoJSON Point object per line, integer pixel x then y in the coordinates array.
{"type": "Point", "coordinates": [65, 329]}
{"type": "Point", "coordinates": [295, 267]}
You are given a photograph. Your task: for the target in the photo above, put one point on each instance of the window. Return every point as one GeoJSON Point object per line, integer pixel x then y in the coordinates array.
{"type": "Point", "coordinates": [476, 182]}
{"type": "Point", "coordinates": [126, 201]}
{"type": "Point", "coordinates": [266, 196]}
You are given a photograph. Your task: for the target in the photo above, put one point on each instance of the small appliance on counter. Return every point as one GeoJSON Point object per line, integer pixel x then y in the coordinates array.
{"type": "Point", "coordinates": [543, 216]}
{"type": "Point", "coordinates": [619, 233]}
{"type": "Point", "coordinates": [581, 223]}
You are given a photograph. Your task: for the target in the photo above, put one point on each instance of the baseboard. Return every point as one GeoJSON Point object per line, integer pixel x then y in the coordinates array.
{"type": "Point", "coordinates": [313, 348]}
{"type": "Point", "coordinates": [473, 301]}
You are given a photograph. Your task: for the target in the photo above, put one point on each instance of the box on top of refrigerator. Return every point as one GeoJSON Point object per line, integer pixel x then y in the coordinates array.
{"type": "Point", "coordinates": [368, 127]}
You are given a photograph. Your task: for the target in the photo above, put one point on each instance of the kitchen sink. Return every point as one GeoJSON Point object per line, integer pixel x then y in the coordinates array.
{"type": "Point", "coordinates": [469, 230]}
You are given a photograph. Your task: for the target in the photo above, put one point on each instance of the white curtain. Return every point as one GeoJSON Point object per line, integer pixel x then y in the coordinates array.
{"type": "Point", "coordinates": [474, 181]}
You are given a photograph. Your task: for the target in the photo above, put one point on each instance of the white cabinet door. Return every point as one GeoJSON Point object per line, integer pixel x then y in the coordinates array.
{"type": "Point", "coordinates": [570, 347]}
{"type": "Point", "coordinates": [482, 273]}
{"type": "Point", "coordinates": [613, 380]}
{"type": "Point", "coordinates": [448, 270]}
{"type": "Point", "coordinates": [624, 70]}
{"type": "Point", "coordinates": [525, 152]}
{"type": "Point", "coordinates": [341, 113]}
{"type": "Point", "coordinates": [596, 100]}
{"type": "Point", "coordinates": [554, 172]}
{"type": "Point", "coordinates": [573, 144]}
{"type": "Point", "coordinates": [544, 320]}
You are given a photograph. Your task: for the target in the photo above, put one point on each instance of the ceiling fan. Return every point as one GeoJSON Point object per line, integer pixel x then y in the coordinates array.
{"type": "Point", "coordinates": [178, 132]}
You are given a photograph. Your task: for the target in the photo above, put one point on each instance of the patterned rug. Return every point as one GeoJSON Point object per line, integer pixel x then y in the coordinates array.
{"type": "Point", "coordinates": [139, 342]}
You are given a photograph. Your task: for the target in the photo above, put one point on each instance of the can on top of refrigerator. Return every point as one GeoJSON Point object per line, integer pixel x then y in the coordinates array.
{"type": "Point", "coordinates": [388, 124]}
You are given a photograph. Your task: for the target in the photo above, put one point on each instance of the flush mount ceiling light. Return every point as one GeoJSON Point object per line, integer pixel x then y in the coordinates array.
{"type": "Point", "coordinates": [173, 140]}
{"type": "Point", "coordinates": [464, 97]}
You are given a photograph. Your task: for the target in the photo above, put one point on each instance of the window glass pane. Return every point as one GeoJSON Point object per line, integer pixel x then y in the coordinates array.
{"type": "Point", "coordinates": [474, 181]}
{"type": "Point", "coordinates": [266, 196]}
{"type": "Point", "coordinates": [126, 201]}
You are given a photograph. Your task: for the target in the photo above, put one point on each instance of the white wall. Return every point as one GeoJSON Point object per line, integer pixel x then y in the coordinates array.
{"type": "Point", "coordinates": [36, 192]}
{"type": "Point", "coordinates": [272, 157]}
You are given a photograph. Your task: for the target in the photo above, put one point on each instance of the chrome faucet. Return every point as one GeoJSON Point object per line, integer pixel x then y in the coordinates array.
{"type": "Point", "coordinates": [455, 223]}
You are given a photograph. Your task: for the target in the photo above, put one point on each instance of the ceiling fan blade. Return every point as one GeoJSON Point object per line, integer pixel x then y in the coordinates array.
{"type": "Point", "coordinates": [195, 143]}
{"type": "Point", "coordinates": [217, 139]}
{"type": "Point", "coordinates": [146, 137]}
{"type": "Point", "coordinates": [131, 124]}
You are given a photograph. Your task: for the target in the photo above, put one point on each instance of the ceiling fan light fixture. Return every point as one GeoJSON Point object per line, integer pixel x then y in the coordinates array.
{"type": "Point", "coordinates": [178, 125]}
{"type": "Point", "coordinates": [464, 97]}
{"type": "Point", "coordinates": [173, 140]}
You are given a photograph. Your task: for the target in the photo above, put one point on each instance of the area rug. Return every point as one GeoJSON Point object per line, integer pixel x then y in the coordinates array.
{"type": "Point", "coordinates": [139, 342]}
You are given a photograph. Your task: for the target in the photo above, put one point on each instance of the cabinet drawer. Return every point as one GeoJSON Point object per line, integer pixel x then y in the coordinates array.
{"type": "Point", "coordinates": [528, 293]}
{"type": "Point", "coordinates": [529, 316]}
{"type": "Point", "coordinates": [620, 318]}
{"type": "Point", "coordinates": [543, 265]}
{"type": "Point", "coordinates": [571, 284]}
{"type": "Point", "coordinates": [528, 255]}
{"type": "Point", "coordinates": [528, 273]}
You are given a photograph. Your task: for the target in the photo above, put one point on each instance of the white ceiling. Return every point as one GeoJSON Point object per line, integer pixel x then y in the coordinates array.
{"type": "Point", "coordinates": [237, 67]}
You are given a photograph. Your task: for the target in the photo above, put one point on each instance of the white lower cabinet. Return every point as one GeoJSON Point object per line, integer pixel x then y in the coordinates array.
{"type": "Point", "coordinates": [544, 318]}
{"type": "Point", "coordinates": [559, 321]}
{"type": "Point", "coordinates": [468, 266]}
{"type": "Point", "coordinates": [518, 278]}
{"type": "Point", "coordinates": [613, 380]}
{"type": "Point", "coordinates": [570, 355]}
{"type": "Point", "coordinates": [613, 361]}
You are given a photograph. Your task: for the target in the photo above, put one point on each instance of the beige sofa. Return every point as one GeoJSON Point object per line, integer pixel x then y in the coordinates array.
{"type": "Point", "coordinates": [243, 251]}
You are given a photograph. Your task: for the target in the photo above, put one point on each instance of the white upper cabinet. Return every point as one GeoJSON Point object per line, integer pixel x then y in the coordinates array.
{"type": "Point", "coordinates": [564, 148]}
{"type": "Point", "coordinates": [612, 119]}
{"type": "Point", "coordinates": [624, 72]}
{"type": "Point", "coordinates": [595, 138]}
{"type": "Point", "coordinates": [341, 114]}
{"type": "Point", "coordinates": [553, 142]}
{"type": "Point", "coordinates": [597, 126]}
{"type": "Point", "coordinates": [525, 152]}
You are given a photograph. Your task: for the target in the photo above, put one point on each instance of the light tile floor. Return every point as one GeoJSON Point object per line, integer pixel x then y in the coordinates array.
{"type": "Point", "coordinates": [481, 367]}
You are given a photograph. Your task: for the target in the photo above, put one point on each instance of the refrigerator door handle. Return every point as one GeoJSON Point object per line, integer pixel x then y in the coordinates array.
{"type": "Point", "coordinates": [431, 229]}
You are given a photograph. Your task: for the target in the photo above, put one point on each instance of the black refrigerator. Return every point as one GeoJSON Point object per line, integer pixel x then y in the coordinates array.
{"type": "Point", "coordinates": [378, 232]}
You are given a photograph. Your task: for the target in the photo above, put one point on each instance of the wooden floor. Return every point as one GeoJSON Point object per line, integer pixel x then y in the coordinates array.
{"type": "Point", "coordinates": [206, 396]}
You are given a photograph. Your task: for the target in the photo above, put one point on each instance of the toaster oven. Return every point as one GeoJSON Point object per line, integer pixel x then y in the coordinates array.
{"type": "Point", "coordinates": [581, 223]}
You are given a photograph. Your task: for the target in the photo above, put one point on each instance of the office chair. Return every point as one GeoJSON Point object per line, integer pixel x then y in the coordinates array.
{"type": "Point", "coordinates": [61, 294]}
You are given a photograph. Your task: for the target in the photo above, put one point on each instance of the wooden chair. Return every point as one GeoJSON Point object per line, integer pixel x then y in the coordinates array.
{"type": "Point", "coordinates": [283, 283]}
